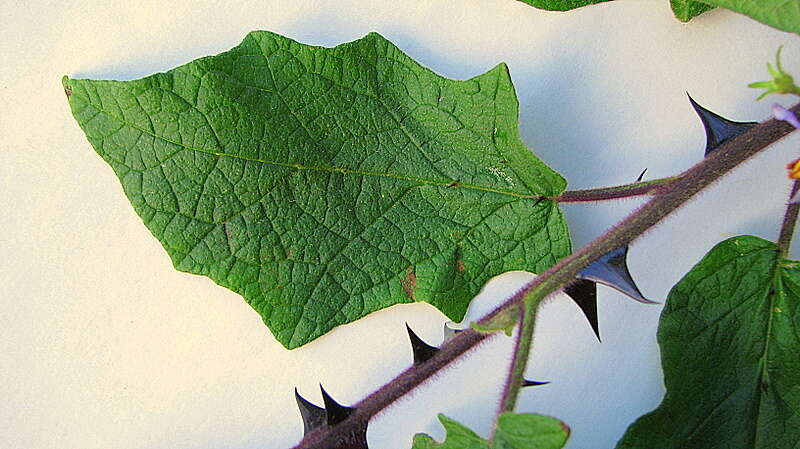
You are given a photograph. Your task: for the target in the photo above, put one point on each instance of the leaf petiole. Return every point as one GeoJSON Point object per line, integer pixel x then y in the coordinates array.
{"type": "Point", "coordinates": [611, 193]}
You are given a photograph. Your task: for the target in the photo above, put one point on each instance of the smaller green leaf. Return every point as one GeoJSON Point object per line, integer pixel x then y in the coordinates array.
{"type": "Point", "coordinates": [514, 431]}
{"type": "Point", "coordinates": [458, 437]}
{"type": "Point", "coordinates": [528, 431]}
{"type": "Point", "coordinates": [561, 5]}
{"type": "Point", "coordinates": [686, 10]}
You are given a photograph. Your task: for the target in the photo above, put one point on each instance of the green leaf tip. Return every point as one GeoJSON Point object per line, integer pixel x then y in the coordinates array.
{"type": "Point", "coordinates": [323, 184]}
{"type": "Point", "coordinates": [729, 338]}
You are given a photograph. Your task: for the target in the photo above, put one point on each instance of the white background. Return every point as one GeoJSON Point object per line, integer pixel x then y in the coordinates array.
{"type": "Point", "coordinates": [104, 345]}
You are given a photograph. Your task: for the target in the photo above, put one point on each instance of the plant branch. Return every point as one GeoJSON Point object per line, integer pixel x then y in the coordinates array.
{"type": "Point", "coordinates": [610, 193]}
{"type": "Point", "coordinates": [519, 360]}
{"type": "Point", "coordinates": [789, 220]}
{"type": "Point", "coordinates": [668, 197]}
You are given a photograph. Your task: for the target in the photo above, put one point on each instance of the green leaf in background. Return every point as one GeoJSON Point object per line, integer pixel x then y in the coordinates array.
{"type": "Point", "coordinates": [781, 14]}
{"type": "Point", "coordinates": [514, 431]}
{"type": "Point", "coordinates": [323, 184]}
{"type": "Point", "coordinates": [686, 10]}
{"type": "Point", "coordinates": [561, 5]}
{"type": "Point", "coordinates": [730, 350]}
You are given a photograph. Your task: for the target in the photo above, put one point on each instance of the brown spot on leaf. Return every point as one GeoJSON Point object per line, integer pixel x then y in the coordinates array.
{"type": "Point", "coordinates": [566, 428]}
{"type": "Point", "coordinates": [460, 267]}
{"type": "Point", "coordinates": [410, 283]}
{"type": "Point", "coordinates": [68, 90]}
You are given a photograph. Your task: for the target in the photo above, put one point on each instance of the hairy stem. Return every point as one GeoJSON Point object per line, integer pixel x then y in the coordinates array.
{"type": "Point", "coordinates": [610, 193]}
{"type": "Point", "coordinates": [789, 220]}
{"type": "Point", "coordinates": [668, 197]}
{"type": "Point", "coordinates": [519, 360]}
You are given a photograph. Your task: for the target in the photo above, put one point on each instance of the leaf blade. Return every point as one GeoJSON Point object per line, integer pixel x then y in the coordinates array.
{"type": "Point", "coordinates": [527, 430]}
{"type": "Point", "coordinates": [781, 14]}
{"type": "Point", "coordinates": [726, 384]}
{"type": "Point", "coordinates": [323, 184]}
{"type": "Point", "coordinates": [514, 431]}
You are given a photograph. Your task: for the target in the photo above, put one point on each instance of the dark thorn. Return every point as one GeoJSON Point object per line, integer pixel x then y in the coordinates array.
{"type": "Point", "coordinates": [612, 270]}
{"type": "Point", "coordinates": [584, 294]}
{"type": "Point", "coordinates": [532, 383]}
{"type": "Point", "coordinates": [313, 416]}
{"type": "Point", "coordinates": [718, 129]}
{"type": "Point", "coordinates": [334, 412]}
{"type": "Point", "coordinates": [422, 351]}
{"type": "Point", "coordinates": [641, 176]}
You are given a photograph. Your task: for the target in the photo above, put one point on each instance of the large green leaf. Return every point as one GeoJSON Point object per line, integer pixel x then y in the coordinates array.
{"type": "Point", "coordinates": [730, 349]}
{"type": "Point", "coordinates": [781, 14]}
{"type": "Point", "coordinates": [514, 431]}
{"type": "Point", "coordinates": [686, 10]}
{"type": "Point", "coordinates": [561, 5]}
{"type": "Point", "coordinates": [326, 183]}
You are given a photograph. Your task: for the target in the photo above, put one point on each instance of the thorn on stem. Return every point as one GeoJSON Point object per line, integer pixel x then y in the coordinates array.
{"type": "Point", "coordinates": [313, 415]}
{"type": "Point", "coordinates": [422, 351]}
{"type": "Point", "coordinates": [532, 383]}
{"type": "Point", "coordinates": [612, 270]}
{"type": "Point", "coordinates": [334, 412]}
{"type": "Point", "coordinates": [584, 293]}
{"type": "Point", "coordinates": [718, 129]}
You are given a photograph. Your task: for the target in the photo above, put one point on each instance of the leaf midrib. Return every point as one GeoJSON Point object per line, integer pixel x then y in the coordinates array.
{"type": "Point", "coordinates": [454, 184]}
{"type": "Point", "coordinates": [762, 360]}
